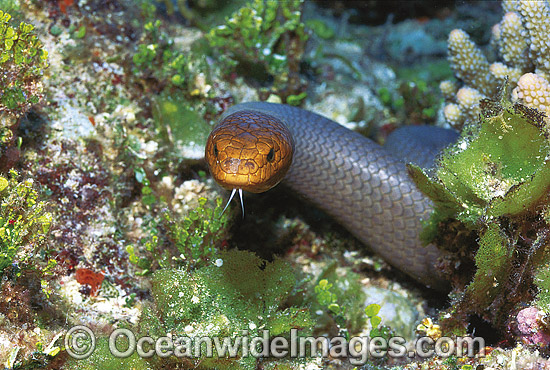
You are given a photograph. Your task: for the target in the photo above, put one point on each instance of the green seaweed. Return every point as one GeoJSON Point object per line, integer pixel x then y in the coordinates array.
{"type": "Point", "coordinates": [103, 358]}
{"type": "Point", "coordinates": [24, 220]}
{"type": "Point", "coordinates": [542, 280]}
{"type": "Point", "coordinates": [501, 169]}
{"type": "Point", "coordinates": [320, 28]}
{"type": "Point", "coordinates": [157, 58]}
{"type": "Point", "coordinates": [265, 39]}
{"type": "Point", "coordinates": [180, 124]}
{"type": "Point", "coordinates": [339, 294]}
{"type": "Point", "coordinates": [240, 294]}
{"type": "Point", "coordinates": [493, 265]}
{"type": "Point", "coordinates": [188, 242]}
{"type": "Point", "coordinates": [203, 13]}
{"type": "Point", "coordinates": [495, 182]}
{"type": "Point", "coordinates": [22, 63]}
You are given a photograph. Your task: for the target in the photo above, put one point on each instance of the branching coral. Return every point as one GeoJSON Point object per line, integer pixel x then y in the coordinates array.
{"type": "Point", "coordinates": [522, 43]}
{"type": "Point", "coordinates": [534, 91]}
{"type": "Point", "coordinates": [494, 182]}
{"type": "Point", "coordinates": [468, 62]}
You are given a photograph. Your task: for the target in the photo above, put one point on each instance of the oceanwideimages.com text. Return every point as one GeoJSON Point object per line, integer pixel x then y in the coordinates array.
{"type": "Point", "coordinates": [80, 344]}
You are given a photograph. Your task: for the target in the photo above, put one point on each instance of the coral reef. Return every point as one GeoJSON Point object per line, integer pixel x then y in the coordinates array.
{"type": "Point", "coordinates": [521, 41]}
{"type": "Point", "coordinates": [112, 159]}
{"type": "Point", "coordinates": [531, 327]}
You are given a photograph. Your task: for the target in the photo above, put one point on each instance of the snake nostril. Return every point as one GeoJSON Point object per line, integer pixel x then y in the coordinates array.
{"type": "Point", "coordinates": [216, 150]}
{"type": "Point", "coordinates": [231, 165]}
{"type": "Point", "coordinates": [271, 155]}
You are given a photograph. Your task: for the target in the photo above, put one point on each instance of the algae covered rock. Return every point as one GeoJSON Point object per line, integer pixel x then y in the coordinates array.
{"type": "Point", "coordinates": [181, 125]}
{"type": "Point", "coordinates": [497, 168]}
{"type": "Point", "coordinates": [239, 295]}
{"type": "Point", "coordinates": [494, 181]}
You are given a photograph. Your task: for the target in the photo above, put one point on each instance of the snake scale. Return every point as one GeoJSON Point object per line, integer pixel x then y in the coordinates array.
{"type": "Point", "coordinates": [362, 185]}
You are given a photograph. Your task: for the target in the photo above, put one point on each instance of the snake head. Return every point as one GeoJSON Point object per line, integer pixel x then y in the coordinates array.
{"type": "Point", "coordinates": [249, 150]}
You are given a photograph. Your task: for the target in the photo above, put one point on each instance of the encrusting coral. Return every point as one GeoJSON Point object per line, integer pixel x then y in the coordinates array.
{"type": "Point", "coordinates": [522, 43]}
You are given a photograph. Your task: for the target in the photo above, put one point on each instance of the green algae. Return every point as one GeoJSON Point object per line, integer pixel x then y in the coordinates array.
{"type": "Point", "coordinates": [180, 125]}
{"type": "Point", "coordinates": [495, 182]}
{"type": "Point", "coordinates": [240, 294]}
{"type": "Point", "coordinates": [499, 168]}
{"type": "Point", "coordinates": [338, 293]}
{"type": "Point", "coordinates": [24, 221]}
{"type": "Point", "coordinates": [188, 242]}
{"type": "Point", "coordinates": [493, 260]}
{"type": "Point", "coordinates": [542, 280]}
{"type": "Point", "coordinates": [23, 59]}
{"type": "Point", "coordinates": [103, 358]}
{"type": "Point", "coordinates": [266, 40]}
{"type": "Point", "coordinates": [321, 28]}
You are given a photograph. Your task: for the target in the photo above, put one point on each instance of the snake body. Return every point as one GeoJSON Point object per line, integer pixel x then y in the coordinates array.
{"type": "Point", "coordinates": [365, 187]}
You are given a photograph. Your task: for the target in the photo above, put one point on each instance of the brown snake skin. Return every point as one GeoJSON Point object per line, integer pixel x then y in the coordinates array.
{"type": "Point", "coordinates": [357, 182]}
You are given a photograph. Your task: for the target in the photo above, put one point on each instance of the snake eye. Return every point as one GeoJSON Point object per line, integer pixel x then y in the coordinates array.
{"type": "Point", "coordinates": [216, 150]}
{"type": "Point", "coordinates": [270, 155]}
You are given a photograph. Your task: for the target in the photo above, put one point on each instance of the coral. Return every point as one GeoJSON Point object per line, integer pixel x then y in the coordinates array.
{"type": "Point", "coordinates": [503, 73]}
{"type": "Point", "coordinates": [521, 41]}
{"type": "Point", "coordinates": [468, 102]}
{"type": "Point", "coordinates": [534, 91]}
{"type": "Point", "coordinates": [240, 294]}
{"type": "Point", "coordinates": [513, 46]}
{"type": "Point", "coordinates": [535, 18]}
{"type": "Point", "coordinates": [448, 89]}
{"type": "Point", "coordinates": [468, 62]}
{"type": "Point", "coordinates": [266, 39]}
{"type": "Point", "coordinates": [483, 172]}
{"type": "Point", "coordinates": [91, 278]}
{"type": "Point", "coordinates": [453, 114]}
{"type": "Point", "coordinates": [519, 357]}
